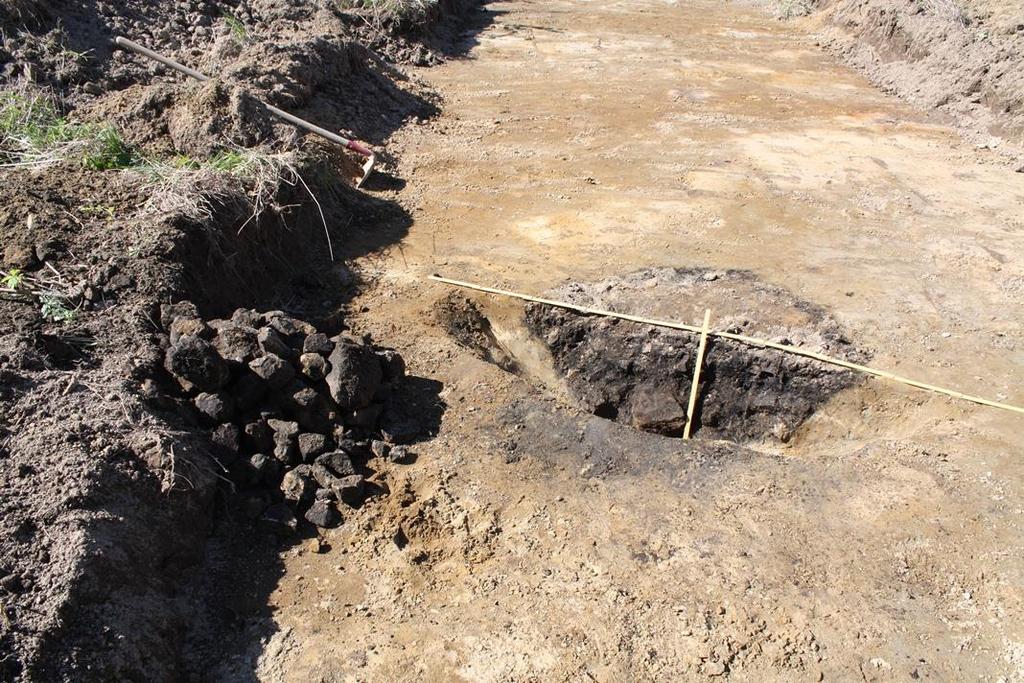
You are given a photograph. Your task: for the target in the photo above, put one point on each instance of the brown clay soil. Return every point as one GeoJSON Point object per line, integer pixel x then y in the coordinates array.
{"type": "Point", "coordinates": [961, 59]}
{"type": "Point", "coordinates": [563, 145]}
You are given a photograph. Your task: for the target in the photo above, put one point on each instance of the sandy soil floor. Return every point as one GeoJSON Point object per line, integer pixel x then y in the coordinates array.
{"type": "Point", "coordinates": [529, 542]}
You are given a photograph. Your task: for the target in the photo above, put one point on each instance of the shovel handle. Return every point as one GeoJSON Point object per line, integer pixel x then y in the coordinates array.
{"type": "Point", "coordinates": [357, 147]}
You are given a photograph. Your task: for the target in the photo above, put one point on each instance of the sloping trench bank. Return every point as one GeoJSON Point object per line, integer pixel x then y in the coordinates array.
{"type": "Point", "coordinates": [174, 354]}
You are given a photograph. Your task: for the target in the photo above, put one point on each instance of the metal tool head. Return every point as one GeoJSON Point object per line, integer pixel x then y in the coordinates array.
{"type": "Point", "coordinates": [367, 169]}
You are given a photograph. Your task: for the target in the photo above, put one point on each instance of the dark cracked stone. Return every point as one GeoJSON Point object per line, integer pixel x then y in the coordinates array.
{"type": "Point", "coordinates": [216, 407]}
{"type": "Point", "coordinates": [271, 341]}
{"type": "Point", "coordinates": [338, 462]}
{"type": "Point", "coordinates": [317, 343]}
{"type": "Point", "coordinates": [324, 514]}
{"type": "Point", "coordinates": [355, 374]}
{"type": "Point", "coordinates": [273, 370]}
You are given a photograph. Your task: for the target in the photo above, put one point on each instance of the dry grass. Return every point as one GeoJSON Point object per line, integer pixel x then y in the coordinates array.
{"type": "Point", "coordinates": [788, 9]}
{"type": "Point", "coordinates": [193, 189]}
{"type": "Point", "coordinates": [946, 9]}
{"type": "Point", "coordinates": [383, 15]}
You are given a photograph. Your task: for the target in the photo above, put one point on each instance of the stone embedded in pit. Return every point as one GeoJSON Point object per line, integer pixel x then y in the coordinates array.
{"type": "Point", "coordinates": [655, 407]}
{"type": "Point", "coordinates": [355, 374]}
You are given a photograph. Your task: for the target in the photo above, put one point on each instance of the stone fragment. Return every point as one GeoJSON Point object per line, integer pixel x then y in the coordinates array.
{"type": "Point", "coordinates": [185, 327]}
{"type": "Point", "coordinates": [171, 312]}
{"type": "Point", "coordinates": [293, 329]}
{"type": "Point", "coordinates": [19, 255]}
{"type": "Point", "coordinates": [380, 449]}
{"type": "Point", "coordinates": [279, 518]}
{"type": "Point", "coordinates": [273, 370]}
{"type": "Point", "coordinates": [284, 426]}
{"type": "Point", "coordinates": [247, 318]}
{"type": "Point", "coordinates": [311, 445]}
{"type": "Point", "coordinates": [318, 343]}
{"type": "Point", "coordinates": [399, 454]}
{"type": "Point", "coordinates": [313, 366]}
{"type": "Point", "coordinates": [350, 490]}
{"type": "Point", "coordinates": [338, 462]}
{"type": "Point", "coordinates": [196, 365]}
{"type": "Point", "coordinates": [392, 364]}
{"type": "Point", "coordinates": [216, 407]}
{"type": "Point", "coordinates": [323, 476]}
{"type": "Point", "coordinates": [304, 397]}
{"type": "Point", "coordinates": [354, 375]}
{"type": "Point", "coordinates": [227, 437]}
{"type": "Point", "coordinates": [234, 342]}
{"type": "Point", "coordinates": [324, 514]}
{"type": "Point", "coordinates": [298, 485]}
{"type": "Point", "coordinates": [271, 341]}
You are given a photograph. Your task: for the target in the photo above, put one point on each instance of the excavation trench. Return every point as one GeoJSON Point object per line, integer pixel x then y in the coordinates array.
{"type": "Point", "coordinates": [641, 375]}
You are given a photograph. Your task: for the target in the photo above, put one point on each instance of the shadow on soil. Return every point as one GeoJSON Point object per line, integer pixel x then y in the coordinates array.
{"type": "Point", "coordinates": [233, 620]}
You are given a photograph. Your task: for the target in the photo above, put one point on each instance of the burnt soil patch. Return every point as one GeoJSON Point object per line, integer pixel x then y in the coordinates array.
{"type": "Point", "coordinates": [640, 375]}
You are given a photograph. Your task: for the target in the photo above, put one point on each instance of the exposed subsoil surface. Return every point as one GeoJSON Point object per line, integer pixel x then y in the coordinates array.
{"type": "Point", "coordinates": [964, 59]}
{"type": "Point", "coordinates": [876, 535]}
{"type": "Point", "coordinates": [534, 541]}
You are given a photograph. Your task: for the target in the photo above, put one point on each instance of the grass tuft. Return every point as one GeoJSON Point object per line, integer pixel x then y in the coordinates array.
{"type": "Point", "coordinates": [238, 30]}
{"type": "Point", "coordinates": [191, 187]}
{"type": "Point", "coordinates": [33, 132]}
